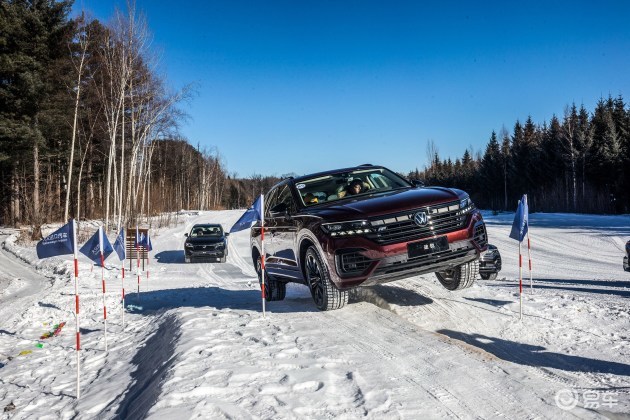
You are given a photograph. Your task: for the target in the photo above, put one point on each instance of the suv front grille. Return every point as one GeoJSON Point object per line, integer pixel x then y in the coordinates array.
{"type": "Point", "coordinates": [400, 227]}
{"type": "Point", "coordinates": [207, 247]}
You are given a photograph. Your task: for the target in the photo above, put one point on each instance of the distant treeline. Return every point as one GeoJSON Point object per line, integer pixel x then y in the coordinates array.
{"type": "Point", "coordinates": [88, 129]}
{"type": "Point", "coordinates": [87, 125]}
{"type": "Point", "coordinates": [577, 163]}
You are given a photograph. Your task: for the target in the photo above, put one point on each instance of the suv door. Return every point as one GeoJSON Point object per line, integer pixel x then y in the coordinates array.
{"type": "Point", "coordinates": [285, 232]}
{"type": "Point", "coordinates": [270, 201]}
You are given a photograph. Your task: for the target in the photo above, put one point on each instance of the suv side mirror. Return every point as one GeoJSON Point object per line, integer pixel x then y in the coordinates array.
{"type": "Point", "coordinates": [226, 234]}
{"type": "Point", "coordinates": [186, 235]}
{"type": "Point", "coordinates": [417, 183]}
{"type": "Point", "coordinates": [279, 210]}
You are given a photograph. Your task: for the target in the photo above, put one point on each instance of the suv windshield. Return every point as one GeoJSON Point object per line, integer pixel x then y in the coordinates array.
{"type": "Point", "coordinates": [332, 187]}
{"type": "Point", "coordinates": [206, 231]}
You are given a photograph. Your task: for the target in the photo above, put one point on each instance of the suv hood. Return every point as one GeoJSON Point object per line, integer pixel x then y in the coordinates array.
{"type": "Point", "coordinates": [387, 203]}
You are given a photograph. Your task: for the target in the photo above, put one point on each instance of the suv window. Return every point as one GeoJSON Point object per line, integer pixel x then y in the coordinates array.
{"type": "Point", "coordinates": [336, 186]}
{"type": "Point", "coordinates": [285, 197]}
{"type": "Point", "coordinates": [270, 201]}
{"type": "Point", "coordinates": [206, 231]}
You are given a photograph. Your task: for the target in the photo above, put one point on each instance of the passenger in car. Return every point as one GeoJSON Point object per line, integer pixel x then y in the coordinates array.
{"type": "Point", "coordinates": [309, 199]}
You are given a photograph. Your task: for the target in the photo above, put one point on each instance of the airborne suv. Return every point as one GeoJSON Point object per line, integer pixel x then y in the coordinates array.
{"type": "Point", "coordinates": [341, 229]}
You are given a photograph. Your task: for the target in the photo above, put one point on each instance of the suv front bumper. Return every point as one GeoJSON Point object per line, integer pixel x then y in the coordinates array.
{"type": "Point", "coordinates": [204, 253]}
{"type": "Point", "coordinates": [367, 263]}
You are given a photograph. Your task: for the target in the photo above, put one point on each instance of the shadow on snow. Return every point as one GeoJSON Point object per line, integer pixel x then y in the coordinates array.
{"type": "Point", "coordinates": [536, 356]}
{"type": "Point", "coordinates": [152, 361]}
{"type": "Point", "coordinates": [616, 292]}
{"type": "Point", "coordinates": [211, 297]}
{"type": "Point", "coordinates": [170, 257]}
{"type": "Point", "coordinates": [492, 302]}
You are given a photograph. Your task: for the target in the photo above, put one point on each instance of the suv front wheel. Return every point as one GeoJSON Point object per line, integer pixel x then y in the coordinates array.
{"type": "Point", "coordinates": [326, 296]}
{"type": "Point", "coordinates": [460, 277]}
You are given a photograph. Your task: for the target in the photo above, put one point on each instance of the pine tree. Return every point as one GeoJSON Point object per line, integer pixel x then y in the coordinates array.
{"type": "Point", "coordinates": [491, 173]}
{"type": "Point", "coordinates": [32, 39]}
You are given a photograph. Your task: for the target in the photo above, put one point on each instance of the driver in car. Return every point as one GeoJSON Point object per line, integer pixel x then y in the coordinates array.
{"type": "Point", "coordinates": [355, 187]}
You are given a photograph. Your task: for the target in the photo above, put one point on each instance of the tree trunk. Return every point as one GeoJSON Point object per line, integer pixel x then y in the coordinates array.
{"type": "Point", "coordinates": [90, 191]}
{"type": "Point", "coordinates": [15, 199]}
{"type": "Point", "coordinates": [505, 205]}
{"type": "Point", "coordinates": [74, 132]}
{"type": "Point", "coordinates": [36, 216]}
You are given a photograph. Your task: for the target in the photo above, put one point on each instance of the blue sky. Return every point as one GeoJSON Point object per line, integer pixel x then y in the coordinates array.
{"type": "Point", "coordinates": [303, 86]}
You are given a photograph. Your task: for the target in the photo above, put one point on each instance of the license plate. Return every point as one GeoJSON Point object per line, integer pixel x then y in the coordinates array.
{"type": "Point", "coordinates": [430, 246]}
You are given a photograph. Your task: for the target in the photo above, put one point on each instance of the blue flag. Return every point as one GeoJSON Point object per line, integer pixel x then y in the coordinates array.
{"type": "Point", "coordinates": [145, 241]}
{"type": "Point", "coordinates": [119, 245]}
{"type": "Point", "coordinates": [521, 220]}
{"type": "Point", "coordinates": [96, 245]}
{"type": "Point", "coordinates": [60, 242]}
{"type": "Point", "coordinates": [253, 214]}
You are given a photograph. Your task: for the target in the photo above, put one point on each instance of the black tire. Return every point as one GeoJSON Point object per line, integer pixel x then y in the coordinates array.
{"type": "Point", "coordinates": [223, 259]}
{"type": "Point", "coordinates": [186, 259]}
{"type": "Point", "coordinates": [488, 276]}
{"type": "Point", "coordinates": [274, 289]}
{"type": "Point", "coordinates": [460, 277]}
{"type": "Point", "coordinates": [325, 294]}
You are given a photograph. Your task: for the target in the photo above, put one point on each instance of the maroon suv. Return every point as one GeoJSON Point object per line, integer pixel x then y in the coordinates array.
{"type": "Point", "coordinates": [361, 226]}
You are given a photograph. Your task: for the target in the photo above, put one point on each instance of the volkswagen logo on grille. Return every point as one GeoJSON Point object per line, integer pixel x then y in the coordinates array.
{"type": "Point", "coordinates": [421, 218]}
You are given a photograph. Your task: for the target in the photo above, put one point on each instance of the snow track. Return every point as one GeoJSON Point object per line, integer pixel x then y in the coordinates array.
{"type": "Point", "coordinates": [196, 344]}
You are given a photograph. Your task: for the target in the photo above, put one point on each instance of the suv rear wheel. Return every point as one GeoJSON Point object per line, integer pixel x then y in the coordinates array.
{"type": "Point", "coordinates": [460, 277]}
{"type": "Point", "coordinates": [326, 296]}
{"type": "Point", "coordinates": [488, 276]}
{"type": "Point", "coordinates": [274, 289]}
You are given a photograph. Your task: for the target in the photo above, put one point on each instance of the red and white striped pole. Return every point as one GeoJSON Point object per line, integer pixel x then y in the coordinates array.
{"type": "Point", "coordinates": [520, 278]}
{"type": "Point", "coordinates": [529, 255]}
{"type": "Point", "coordinates": [262, 247]}
{"type": "Point", "coordinates": [148, 259]}
{"type": "Point", "coordinates": [100, 241]}
{"type": "Point", "coordinates": [76, 301]}
{"type": "Point", "coordinates": [122, 284]}
{"type": "Point", "coordinates": [138, 261]}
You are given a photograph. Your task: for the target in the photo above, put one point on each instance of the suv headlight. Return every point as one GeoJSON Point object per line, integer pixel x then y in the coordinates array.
{"type": "Point", "coordinates": [189, 245]}
{"type": "Point", "coordinates": [466, 205]}
{"type": "Point", "coordinates": [355, 227]}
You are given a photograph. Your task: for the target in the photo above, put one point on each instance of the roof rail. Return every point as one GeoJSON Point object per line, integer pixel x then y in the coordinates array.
{"type": "Point", "coordinates": [366, 164]}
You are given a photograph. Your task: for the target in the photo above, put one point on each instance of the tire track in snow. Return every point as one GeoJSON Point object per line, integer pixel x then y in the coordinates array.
{"type": "Point", "coordinates": [153, 362]}
{"type": "Point", "coordinates": [414, 376]}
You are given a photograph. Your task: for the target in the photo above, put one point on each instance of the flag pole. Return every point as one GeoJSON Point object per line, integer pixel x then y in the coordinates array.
{"type": "Point", "coordinates": [529, 255]}
{"type": "Point", "coordinates": [122, 282]}
{"type": "Point", "coordinates": [262, 246]}
{"type": "Point", "coordinates": [520, 279]}
{"type": "Point", "coordinates": [137, 263]}
{"type": "Point", "coordinates": [100, 241]}
{"type": "Point", "coordinates": [147, 251]}
{"type": "Point", "coordinates": [76, 300]}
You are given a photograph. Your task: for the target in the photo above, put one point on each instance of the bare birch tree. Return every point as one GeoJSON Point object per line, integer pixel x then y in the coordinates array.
{"type": "Point", "coordinates": [83, 40]}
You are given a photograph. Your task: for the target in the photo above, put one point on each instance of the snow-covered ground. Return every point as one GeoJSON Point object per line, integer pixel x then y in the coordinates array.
{"type": "Point", "coordinates": [195, 344]}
